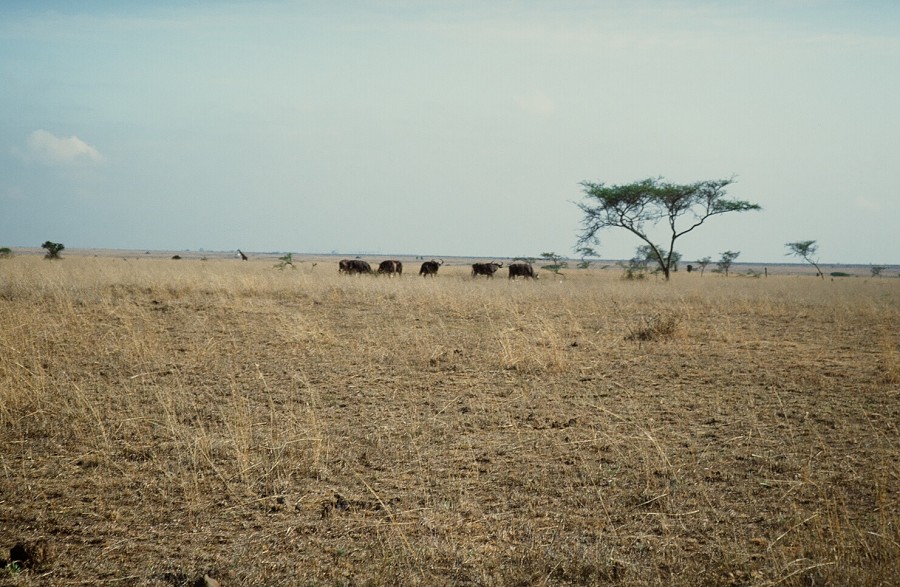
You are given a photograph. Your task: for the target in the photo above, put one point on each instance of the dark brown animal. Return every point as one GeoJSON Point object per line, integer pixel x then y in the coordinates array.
{"type": "Point", "coordinates": [353, 266]}
{"type": "Point", "coordinates": [243, 256]}
{"type": "Point", "coordinates": [521, 270]}
{"type": "Point", "coordinates": [486, 269]}
{"type": "Point", "coordinates": [430, 268]}
{"type": "Point", "coordinates": [391, 268]}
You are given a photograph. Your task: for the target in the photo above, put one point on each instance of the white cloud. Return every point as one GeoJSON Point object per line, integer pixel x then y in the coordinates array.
{"type": "Point", "coordinates": [45, 147]}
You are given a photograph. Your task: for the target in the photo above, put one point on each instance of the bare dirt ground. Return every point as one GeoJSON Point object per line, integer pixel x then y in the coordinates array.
{"type": "Point", "coordinates": [164, 421]}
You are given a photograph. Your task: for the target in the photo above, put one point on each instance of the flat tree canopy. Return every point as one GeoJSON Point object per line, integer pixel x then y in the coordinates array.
{"type": "Point", "coordinates": [806, 250]}
{"type": "Point", "coordinates": [637, 205]}
{"type": "Point", "coordinates": [53, 249]}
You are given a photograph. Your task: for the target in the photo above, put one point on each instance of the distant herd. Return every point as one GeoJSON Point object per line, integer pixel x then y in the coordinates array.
{"type": "Point", "coordinates": [430, 268]}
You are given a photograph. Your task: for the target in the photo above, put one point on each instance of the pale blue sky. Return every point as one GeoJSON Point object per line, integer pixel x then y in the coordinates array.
{"type": "Point", "coordinates": [445, 128]}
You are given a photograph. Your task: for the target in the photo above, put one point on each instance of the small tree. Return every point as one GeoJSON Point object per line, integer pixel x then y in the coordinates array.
{"type": "Point", "coordinates": [637, 266]}
{"type": "Point", "coordinates": [676, 259]}
{"type": "Point", "coordinates": [876, 270]}
{"type": "Point", "coordinates": [806, 250]}
{"type": "Point", "coordinates": [586, 252]}
{"type": "Point", "coordinates": [664, 254]}
{"type": "Point", "coordinates": [53, 249]}
{"type": "Point", "coordinates": [653, 256]}
{"type": "Point", "coordinates": [286, 261]}
{"type": "Point", "coordinates": [703, 264]}
{"type": "Point", "coordinates": [724, 264]}
{"type": "Point", "coordinates": [643, 204]}
{"type": "Point", "coordinates": [556, 263]}
{"type": "Point", "coordinates": [5, 252]}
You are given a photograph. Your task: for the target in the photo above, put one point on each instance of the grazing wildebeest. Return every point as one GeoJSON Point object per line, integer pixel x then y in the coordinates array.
{"type": "Point", "coordinates": [391, 267]}
{"type": "Point", "coordinates": [430, 268]}
{"type": "Point", "coordinates": [521, 270]}
{"type": "Point", "coordinates": [486, 269]}
{"type": "Point", "coordinates": [360, 266]}
{"type": "Point", "coordinates": [351, 266]}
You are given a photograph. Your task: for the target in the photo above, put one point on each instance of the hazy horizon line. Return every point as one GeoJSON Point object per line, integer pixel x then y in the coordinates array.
{"type": "Point", "coordinates": [593, 260]}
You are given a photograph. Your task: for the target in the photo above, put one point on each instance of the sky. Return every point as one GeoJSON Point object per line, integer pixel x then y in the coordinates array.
{"type": "Point", "coordinates": [451, 128]}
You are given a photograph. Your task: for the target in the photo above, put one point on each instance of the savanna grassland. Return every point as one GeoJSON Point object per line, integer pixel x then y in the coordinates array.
{"type": "Point", "coordinates": [164, 421]}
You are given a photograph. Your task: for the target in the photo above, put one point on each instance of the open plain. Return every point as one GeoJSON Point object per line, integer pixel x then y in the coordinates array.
{"type": "Point", "coordinates": [165, 421]}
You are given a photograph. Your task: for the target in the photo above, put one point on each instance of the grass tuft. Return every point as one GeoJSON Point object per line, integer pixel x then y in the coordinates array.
{"type": "Point", "coordinates": [654, 328]}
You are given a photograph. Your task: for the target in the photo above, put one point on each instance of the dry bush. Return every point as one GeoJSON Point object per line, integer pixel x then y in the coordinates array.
{"type": "Point", "coordinates": [161, 420]}
{"type": "Point", "coordinates": [655, 327]}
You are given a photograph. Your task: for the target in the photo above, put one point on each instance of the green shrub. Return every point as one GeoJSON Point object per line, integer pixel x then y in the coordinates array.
{"type": "Point", "coordinates": [53, 249]}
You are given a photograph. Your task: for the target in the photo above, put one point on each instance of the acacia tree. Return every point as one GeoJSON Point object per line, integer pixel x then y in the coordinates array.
{"type": "Point", "coordinates": [556, 262]}
{"type": "Point", "coordinates": [724, 264]}
{"type": "Point", "coordinates": [286, 261]}
{"type": "Point", "coordinates": [703, 263]}
{"type": "Point", "coordinates": [806, 250]}
{"type": "Point", "coordinates": [642, 204]}
{"type": "Point", "coordinates": [657, 256]}
{"type": "Point", "coordinates": [53, 249]}
{"type": "Point", "coordinates": [585, 252]}
{"type": "Point", "coordinates": [636, 268]}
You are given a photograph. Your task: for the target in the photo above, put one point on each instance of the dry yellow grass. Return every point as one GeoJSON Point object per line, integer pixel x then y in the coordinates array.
{"type": "Point", "coordinates": [162, 420]}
